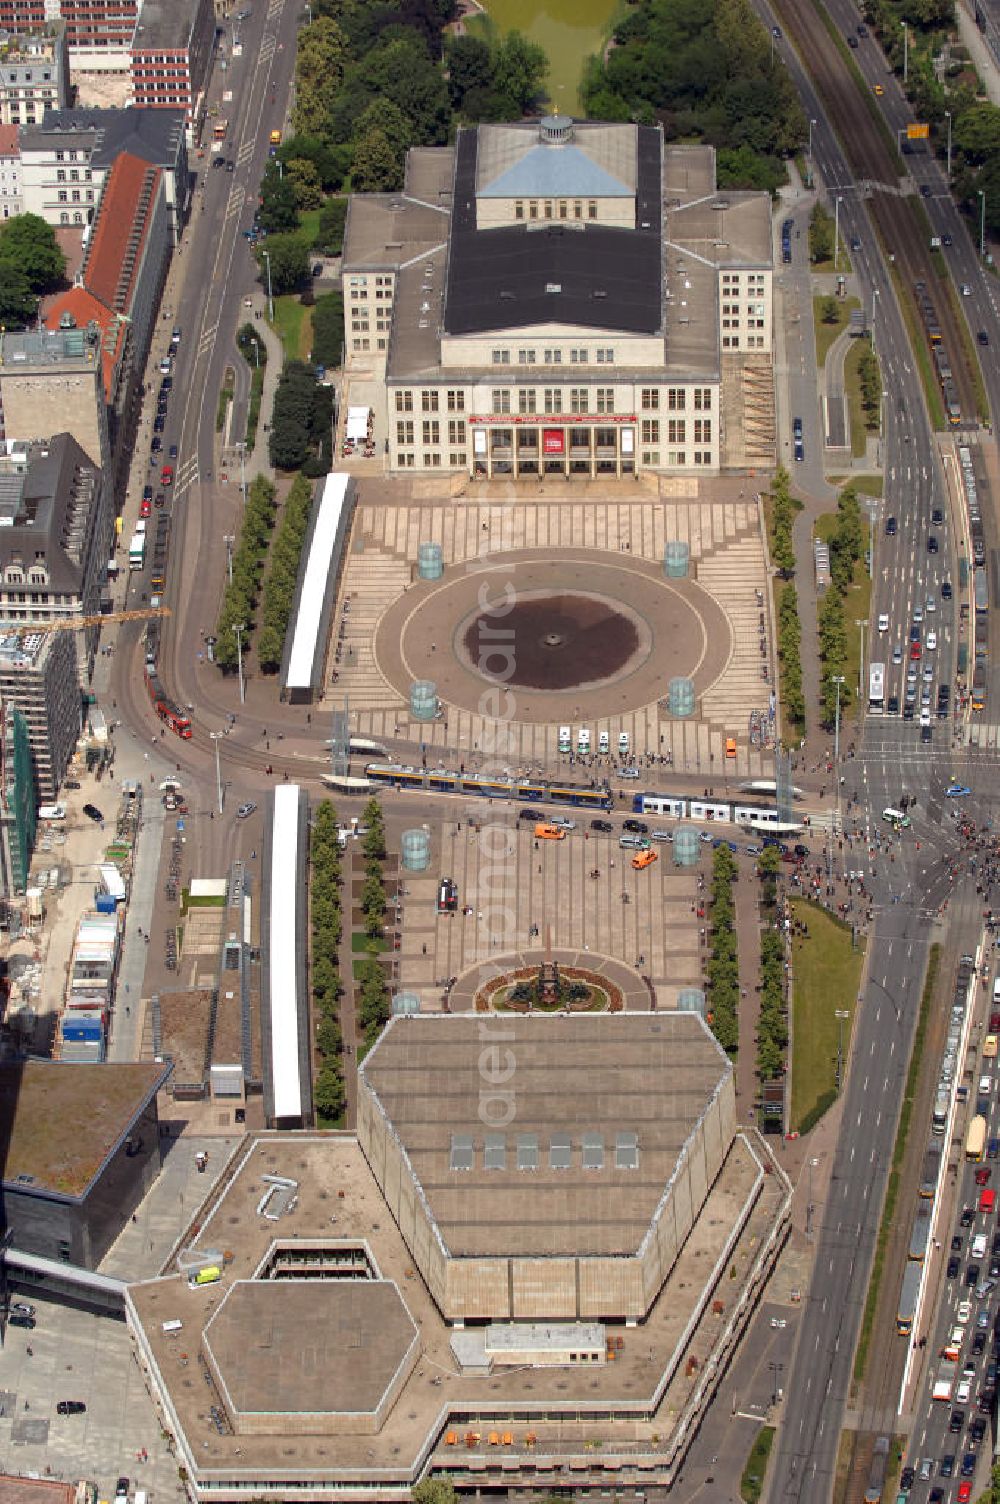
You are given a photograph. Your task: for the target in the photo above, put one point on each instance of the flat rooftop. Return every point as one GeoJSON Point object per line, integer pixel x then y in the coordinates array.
{"type": "Point", "coordinates": [336, 1196]}
{"type": "Point", "coordinates": [300, 1347]}
{"type": "Point", "coordinates": [165, 24]}
{"type": "Point", "coordinates": [65, 1119]}
{"type": "Point", "coordinates": [603, 1107]}
{"type": "Point", "coordinates": [34, 1491]}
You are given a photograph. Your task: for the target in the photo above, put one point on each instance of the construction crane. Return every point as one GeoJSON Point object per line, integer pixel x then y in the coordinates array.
{"type": "Point", "coordinates": [81, 623]}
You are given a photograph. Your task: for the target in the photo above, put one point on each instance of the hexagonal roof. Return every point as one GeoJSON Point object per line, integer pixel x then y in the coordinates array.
{"type": "Point", "coordinates": [544, 1134]}
{"type": "Point", "coordinates": [309, 1347]}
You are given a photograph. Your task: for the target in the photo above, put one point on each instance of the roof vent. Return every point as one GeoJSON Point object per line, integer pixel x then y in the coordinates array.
{"type": "Point", "coordinates": [553, 287]}
{"type": "Point", "coordinates": [555, 130]}
{"type": "Point", "coordinates": [66, 320]}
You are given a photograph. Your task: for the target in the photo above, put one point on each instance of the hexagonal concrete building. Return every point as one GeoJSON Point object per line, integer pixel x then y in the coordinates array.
{"type": "Point", "coordinates": [546, 1166]}
{"type": "Point", "coordinates": [310, 1357]}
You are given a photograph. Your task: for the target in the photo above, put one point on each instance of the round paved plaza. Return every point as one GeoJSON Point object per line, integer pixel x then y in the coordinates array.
{"type": "Point", "coordinates": [580, 634]}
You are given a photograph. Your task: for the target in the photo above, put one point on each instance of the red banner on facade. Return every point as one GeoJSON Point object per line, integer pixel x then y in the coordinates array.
{"type": "Point", "coordinates": [553, 441]}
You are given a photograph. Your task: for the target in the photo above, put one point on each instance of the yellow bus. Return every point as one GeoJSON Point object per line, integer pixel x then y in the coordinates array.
{"type": "Point", "coordinates": [975, 1141]}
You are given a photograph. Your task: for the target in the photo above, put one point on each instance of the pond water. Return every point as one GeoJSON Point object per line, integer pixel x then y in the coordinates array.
{"type": "Point", "coordinates": [568, 30]}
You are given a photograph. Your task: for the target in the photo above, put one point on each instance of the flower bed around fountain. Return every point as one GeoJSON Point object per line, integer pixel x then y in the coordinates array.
{"type": "Point", "coordinates": [520, 992]}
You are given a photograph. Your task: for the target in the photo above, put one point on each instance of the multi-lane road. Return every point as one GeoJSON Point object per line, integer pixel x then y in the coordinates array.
{"type": "Point", "coordinates": [218, 274]}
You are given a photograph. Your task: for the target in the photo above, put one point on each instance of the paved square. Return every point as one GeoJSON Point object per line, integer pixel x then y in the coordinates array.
{"type": "Point", "coordinates": [398, 628]}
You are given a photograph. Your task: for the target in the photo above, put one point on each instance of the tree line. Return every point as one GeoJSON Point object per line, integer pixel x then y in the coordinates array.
{"type": "Point", "coordinates": [282, 577]}
{"type": "Point", "coordinates": [723, 969]}
{"type": "Point", "coordinates": [301, 433]}
{"type": "Point", "coordinates": [783, 507]}
{"type": "Point", "coordinates": [374, 1007]}
{"type": "Point", "coordinates": [708, 71]}
{"type": "Point", "coordinates": [239, 598]}
{"type": "Point", "coordinates": [847, 546]}
{"type": "Point", "coordinates": [326, 928]}
{"type": "Point", "coordinates": [772, 1026]}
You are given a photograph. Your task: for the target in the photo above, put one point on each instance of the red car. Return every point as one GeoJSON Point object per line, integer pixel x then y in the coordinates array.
{"type": "Point", "coordinates": [167, 475]}
{"type": "Point", "coordinates": [145, 508]}
{"type": "Point", "coordinates": [983, 1175]}
{"type": "Point", "coordinates": [914, 650]}
{"type": "Point", "coordinates": [964, 1492]}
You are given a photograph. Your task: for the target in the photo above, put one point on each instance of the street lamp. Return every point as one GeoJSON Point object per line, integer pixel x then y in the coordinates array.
{"type": "Point", "coordinates": [838, 680]}
{"type": "Point", "coordinates": [840, 1015]}
{"type": "Point", "coordinates": [836, 232]}
{"type": "Point", "coordinates": [906, 52]}
{"type": "Point", "coordinates": [982, 223]}
{"type": "Point", "coordinates": [861, 661]}
{"type": "Point", "coordinates": [217, 737]}
{"type": "Point", "coordinates": [809, 1203]}
{"type": "Point", "coordinates": [242, 447]}
{"type": "Point", "coordinates": [239, 658]}
{"type": "Point", "coordinates": [270, 299]}
{"type": "Point", "coordinates": [776, 1369]}
{"type": "Point", "coordinates": [947, 116]}
{"type": "Point", "coordinates": [229, 540]}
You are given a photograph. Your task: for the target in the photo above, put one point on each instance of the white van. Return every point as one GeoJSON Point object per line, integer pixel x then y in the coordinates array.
{"type": "Point", "coordinates": [996, 979]}
{"type": "Point", "coordinates": [583, 741]}
{"type": "Point", "coordinates": [565, 741]}
{"type": "Point", "coordinates": [52, 812]}
{"type": "Point", "coordinates": [978, 1249]}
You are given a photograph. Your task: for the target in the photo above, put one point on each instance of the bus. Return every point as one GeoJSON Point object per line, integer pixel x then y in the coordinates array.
{"type": "Point", "coordinates": [876, 689]}
{"type": "Point", "coordinates": [896, 818]}
{"type": "Point", "coordinates": [908, 1296]}
{"type": "Point", "coordinates": [975, 1139]}
{"type": "Point", "coordinates": [137, 551]}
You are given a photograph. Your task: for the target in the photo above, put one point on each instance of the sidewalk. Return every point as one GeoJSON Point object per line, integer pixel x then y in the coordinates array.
{"type": "Point", "coordinates": [253, 309]}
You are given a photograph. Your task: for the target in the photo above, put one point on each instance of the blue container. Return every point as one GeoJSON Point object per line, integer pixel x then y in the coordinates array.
{"type": "Point", "coordinates": [105, 903]}
{"type": "Point", "coordinates": [83, 1028]}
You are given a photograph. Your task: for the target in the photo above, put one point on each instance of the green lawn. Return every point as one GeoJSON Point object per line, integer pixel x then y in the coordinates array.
{"type": "Point", "coordinates": [857, 601]}
{"type": "Point", "coordinates": [309, 224]}
{"type": "Point", "coordinates": [752, 1482]}
{"type": "Point", "coordinates": [827, 333]}
{"type": "Point", "coordinates": [294, 326]}
{"type": "Point", "coordinates": [827, 972]}
{"type": "Point", "coordinates": [852, 387]}
{"type": "Point", "coordinates": [866, 485]}
{"type": "Point", "coordinates": [361, 944]}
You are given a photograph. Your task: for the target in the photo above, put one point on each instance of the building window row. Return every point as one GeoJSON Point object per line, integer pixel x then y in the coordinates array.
{"type": "Point", "coordinates": [555, 208]}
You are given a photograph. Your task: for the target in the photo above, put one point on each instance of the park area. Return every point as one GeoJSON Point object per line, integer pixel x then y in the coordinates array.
{"type": "Point", "coordinates": [826, 973]}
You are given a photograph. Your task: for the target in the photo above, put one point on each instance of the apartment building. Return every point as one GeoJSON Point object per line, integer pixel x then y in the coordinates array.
{"type": "Point", "coordinates": [10, 173]}
{"type": "Point", "coordinates": [98, 32]}
{"type": "Point", "coordinates": [38, 677]}
{"type": "Point", "coordinates": [56, 530]}
{"type": "Point", "coordinates": [172, 54]}
{"type": "Point", "coordinates": [17, 800]}
{"type": "Point", "coordinates": [34, 74]}
{"type": "Point", "coordinates": [66, 160]}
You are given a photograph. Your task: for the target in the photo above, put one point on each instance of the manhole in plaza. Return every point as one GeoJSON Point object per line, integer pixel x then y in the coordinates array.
{"type": "Point", "coordinates": [551, 641]}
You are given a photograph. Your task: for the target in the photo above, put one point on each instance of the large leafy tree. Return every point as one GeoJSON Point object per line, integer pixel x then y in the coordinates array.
{"type": "Point", "coordinates": [319, 68]}
{"type": "Point", "coordinates": [289, 260]}
{"type": "Point", "coordinates": [18, 303]}
{"type": "Point", "coordinates": [28, 245]}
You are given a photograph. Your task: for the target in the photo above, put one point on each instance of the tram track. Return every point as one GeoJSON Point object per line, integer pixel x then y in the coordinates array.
{"type": "Point", "coordinates": [898, 218]}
